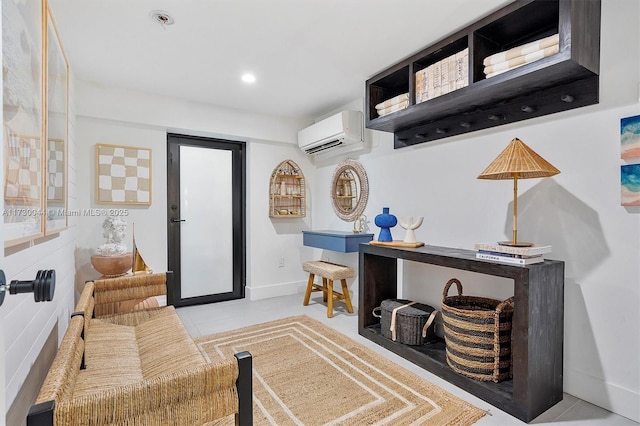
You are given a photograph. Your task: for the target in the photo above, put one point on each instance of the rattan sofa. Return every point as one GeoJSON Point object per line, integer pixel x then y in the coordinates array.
{"type": "Point", "coordinates": [137, 368]}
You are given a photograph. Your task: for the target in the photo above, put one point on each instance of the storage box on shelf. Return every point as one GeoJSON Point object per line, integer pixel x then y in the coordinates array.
{"type": "Point", "coordinates": [557, 82]}
{"type": "Point", "coordinates": [406, 322]}
{"type": "Point", "coordinates": [287, 197]}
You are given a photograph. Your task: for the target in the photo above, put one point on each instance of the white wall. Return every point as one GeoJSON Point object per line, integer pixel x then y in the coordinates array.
{"type": "Point", "coordinates": [270, 239]}
{"type": "Point", "coordinates": [111, 103]}
{"type": "Point", "coordinates": [150, 222]}
{"type": "Point", "coordinates": [144, 123]}
{"type": "Point", "coordinates": [578, 212]}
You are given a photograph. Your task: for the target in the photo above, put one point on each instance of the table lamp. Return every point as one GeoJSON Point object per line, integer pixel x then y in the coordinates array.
{"type": "Point", "coordinates": [517, 161]}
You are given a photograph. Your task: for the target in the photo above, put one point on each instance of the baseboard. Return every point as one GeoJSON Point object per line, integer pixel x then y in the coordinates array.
{"type": "Point", "coordinates": [287, 289]}
{"type": "Point", "coordinates": [606, 395]}
{"type": "Point", "coordinates": [275, 290]}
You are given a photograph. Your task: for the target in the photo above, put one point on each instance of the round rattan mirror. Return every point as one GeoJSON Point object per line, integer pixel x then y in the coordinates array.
{"type": "Point", "coordinates": [349, 190]}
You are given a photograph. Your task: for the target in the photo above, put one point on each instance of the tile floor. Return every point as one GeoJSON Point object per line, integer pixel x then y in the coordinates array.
{"type": "Point", "coordinates": [206, 319]}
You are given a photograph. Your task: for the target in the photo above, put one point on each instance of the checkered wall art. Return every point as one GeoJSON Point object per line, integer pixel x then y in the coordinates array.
{"type": "Point", "coordinates": [23, 169]}
{"type": "Point", "coordinates": [55, 170]}
{"type": "Point", "coordinates": [123, 175]}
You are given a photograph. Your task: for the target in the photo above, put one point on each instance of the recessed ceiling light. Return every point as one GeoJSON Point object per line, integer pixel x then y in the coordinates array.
{"type": "Point", "coordinates": [161, 17]}
{"type": "Point", "coordinates": [248, 78]}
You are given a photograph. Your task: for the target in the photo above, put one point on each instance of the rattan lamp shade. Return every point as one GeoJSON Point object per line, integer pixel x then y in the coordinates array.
{"type": "Point", "coordinates": [517, 161]}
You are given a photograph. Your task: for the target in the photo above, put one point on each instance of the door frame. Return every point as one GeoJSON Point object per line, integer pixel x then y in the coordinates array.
{"type": "Point", "coordinates": [239, 192]}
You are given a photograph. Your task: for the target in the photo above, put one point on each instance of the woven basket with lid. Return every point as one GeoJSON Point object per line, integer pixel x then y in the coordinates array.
{"type": "Point", "coordinates": [406, 322]}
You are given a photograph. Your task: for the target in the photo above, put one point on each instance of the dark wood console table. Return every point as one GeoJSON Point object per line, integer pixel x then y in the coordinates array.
{"type": "Point", "coordinates": [537, 333]}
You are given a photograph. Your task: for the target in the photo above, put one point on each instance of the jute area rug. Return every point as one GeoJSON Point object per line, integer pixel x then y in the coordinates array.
{"type": "Point", "coordinates": [306, 373]}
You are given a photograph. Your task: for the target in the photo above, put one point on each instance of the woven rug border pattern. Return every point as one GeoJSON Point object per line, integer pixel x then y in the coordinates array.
{"type": "Point", "coordinates": [435, 396]}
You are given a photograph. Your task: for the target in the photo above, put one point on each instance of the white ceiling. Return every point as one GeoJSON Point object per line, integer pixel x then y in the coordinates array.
{"type": "Point", "coordinates": [309, 56]}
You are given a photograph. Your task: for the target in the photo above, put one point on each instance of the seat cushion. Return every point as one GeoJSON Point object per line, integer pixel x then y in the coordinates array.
{"type": "Point", "coordinates": [119, 355]}
{"type": "Point", "coordinates": [111, 358]}
{"type": "Point", "coordinates": [165, 346]}
{"type": "Point", "coordinates": [332, 271]}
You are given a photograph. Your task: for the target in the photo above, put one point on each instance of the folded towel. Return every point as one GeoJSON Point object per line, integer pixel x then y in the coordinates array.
{"type": "Point", "coordinates": [521, 60]}
{"type": "Point", "coordinates": [393, 108]}
{"type": "Point", "coordinates": [493, 74]}
{"type": "Point", "coordinates": [521, 50]}
{"type": "Point", "coordinates": [393, 101]}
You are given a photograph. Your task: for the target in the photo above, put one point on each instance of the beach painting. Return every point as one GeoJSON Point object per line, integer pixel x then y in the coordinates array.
{"type": "Point", "coordinates": [630, 137]}
{"type": "Point", "coordinates": [630, 184]}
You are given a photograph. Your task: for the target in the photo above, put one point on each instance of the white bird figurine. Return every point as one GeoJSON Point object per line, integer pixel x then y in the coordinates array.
{"type": "Point", "coordinates": [410, 226]}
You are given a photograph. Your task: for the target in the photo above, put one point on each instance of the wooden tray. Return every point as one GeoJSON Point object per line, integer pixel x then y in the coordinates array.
{"type": "Point", "coordinates": [396, 243]}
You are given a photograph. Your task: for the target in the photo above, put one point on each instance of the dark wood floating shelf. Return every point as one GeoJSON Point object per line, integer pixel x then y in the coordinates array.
{"type": "Point", "coordinates": [537, 333]}
{"type": "Point", "coordinates": [566, 80]}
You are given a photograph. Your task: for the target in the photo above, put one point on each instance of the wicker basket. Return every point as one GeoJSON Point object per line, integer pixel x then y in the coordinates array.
{"type": "Point", "coordinates": [406, 322]}
{"type": "Point", "coordinates": [477, 334]}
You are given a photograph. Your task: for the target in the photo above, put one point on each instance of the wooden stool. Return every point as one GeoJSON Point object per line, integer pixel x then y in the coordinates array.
{"type": "Point", "coordinates": [329, 273]}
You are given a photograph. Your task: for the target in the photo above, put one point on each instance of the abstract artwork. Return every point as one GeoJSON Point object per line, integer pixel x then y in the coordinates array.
{"type": "Point", "coordinates": [123, 175]}
{"type": "Point", "coordinates": [630, 137]}
{"type": "Point", "coordinates": [630, 184]}
{"type": "Point", "coordinates": [22, 66]}
{"type": "Point", "coordinates": [22, 78]}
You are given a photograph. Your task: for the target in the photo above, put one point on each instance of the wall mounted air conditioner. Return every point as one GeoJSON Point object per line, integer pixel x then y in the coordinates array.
{"type": "Point", "coordinates": [341, 133]}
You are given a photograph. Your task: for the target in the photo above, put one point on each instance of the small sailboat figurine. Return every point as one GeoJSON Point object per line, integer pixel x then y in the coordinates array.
{"type": "Point", "coordinates": [139, 266]}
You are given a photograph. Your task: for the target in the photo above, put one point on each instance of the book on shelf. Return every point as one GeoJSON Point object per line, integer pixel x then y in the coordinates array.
{"type": "Point", "coordinates": [509, 259]}
{"type": "Point", "coordinates": [437, 80]}
{"type": "Point", "coordinates": [462, 68]}
{"type": "Point", "coordinates": [525, 251]}
{"type": "Point", "coordinates": [442, 77]}
{"type": "Point", "coordinates": [497, 253]}
{"type": "Point", "coordinates": [452, 72]}
{"type": "Point", "coordinates": [424, 83]}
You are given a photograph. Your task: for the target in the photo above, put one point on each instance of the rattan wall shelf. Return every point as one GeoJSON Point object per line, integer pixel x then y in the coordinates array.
{"type": "Point", "coordinates": [287, 196]}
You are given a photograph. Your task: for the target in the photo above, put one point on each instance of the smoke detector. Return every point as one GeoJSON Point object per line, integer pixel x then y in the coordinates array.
{"type": "Point", "coordinates": [161, 17]}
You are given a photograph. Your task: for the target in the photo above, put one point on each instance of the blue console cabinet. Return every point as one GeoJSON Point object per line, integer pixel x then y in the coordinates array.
{"type": "Point", "coordinates": [342, 241]}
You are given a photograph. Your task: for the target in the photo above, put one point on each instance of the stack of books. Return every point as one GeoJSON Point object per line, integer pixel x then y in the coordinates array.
{"type": "Point", "coordinates": [520, 55]}
{"type": "Point", "coordinates": [511, 255]}
{"type": "Point", "coordinates": [444, 76]}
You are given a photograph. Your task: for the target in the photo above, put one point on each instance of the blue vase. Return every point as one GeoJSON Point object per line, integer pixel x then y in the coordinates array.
{"type": "Point", "coordinates": [385, 221]}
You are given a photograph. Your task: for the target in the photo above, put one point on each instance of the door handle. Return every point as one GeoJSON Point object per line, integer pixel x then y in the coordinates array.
{"type": "Point", "coordinates": [174, 220]}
